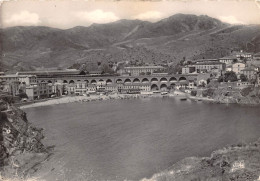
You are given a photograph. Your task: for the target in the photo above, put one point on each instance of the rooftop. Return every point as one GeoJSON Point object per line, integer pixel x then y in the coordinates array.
{"type": "Point", "coordinates": [156, 66]}
{"type": "Point", "coordinates": [47, 72]}
{"type": "Point", "coordinates": [228, 57]}
{"type": "Point", "coordinates": [248, 69]}
{"type": "Point", "coordinates": [206, 60]}
{"type": "Point", "coordinates": [209, 63]}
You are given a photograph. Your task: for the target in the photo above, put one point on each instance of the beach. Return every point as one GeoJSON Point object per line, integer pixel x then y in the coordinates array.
{"type": "Point", "coordinates": [69, 99]}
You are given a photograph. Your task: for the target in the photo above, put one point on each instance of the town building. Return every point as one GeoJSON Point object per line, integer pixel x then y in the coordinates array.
{"type": "Point", "coordinates": [209, 66]}
{"type": "Point", "coordinates": [9, 78]}
{"type": "Point", "coordinates": [39, 90]}
{"type": "Point", "coordinates": [27, 79]}
{"type": "Point", "coordinates": [207, 61]}
{"type": "Point", "coordinates": [228, 60]}
{"type": "Point", "coordinates": [13, 88]}
{"type": "Point", "coordinates": [256, 57]}
{"type": "Point", "coordinates": [95, 73]}
{"type": "Point", "coordinates": [52, 73]}
{"type": "Point", "coordinates": [242, 85]}
{"type": "Point", "coordinates": [228, 68]}
{"type": "Point", "coordinates": [242, 55]}
{"type": "Point", "coordinates": [237, 67]}
{"type": "Point", "coordinates": [249, 72]}
{"type": "Point", "coordinates": [188, 70]}
{"type": "Point", "coordinates": [202, 78]}
{"type": "Point", "coordinates": [143, 70]}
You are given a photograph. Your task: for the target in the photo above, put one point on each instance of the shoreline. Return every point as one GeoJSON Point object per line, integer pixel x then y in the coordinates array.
{"type": "Point", "coordinates": [71, 99]}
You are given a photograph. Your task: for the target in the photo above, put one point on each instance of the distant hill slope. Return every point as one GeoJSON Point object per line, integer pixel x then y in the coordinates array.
{"type": "Point", "coordinates": [168, 40]}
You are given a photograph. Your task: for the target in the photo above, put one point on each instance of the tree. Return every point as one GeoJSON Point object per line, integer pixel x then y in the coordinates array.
{"type": "Point", "coordinates": [208, 92]}
{"type": "Point", "coordinates": [230, 76]}
{"type": "Point", "coordinates": [243, 78]}
{"type": "Point", "coordinates": [22, 95]}
{"type": "Point", "coordinates": [208, 80]}
{"type": "Point", "coordinates": [221, 79]}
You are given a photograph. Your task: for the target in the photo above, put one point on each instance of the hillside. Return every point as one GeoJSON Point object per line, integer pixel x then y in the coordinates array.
{"type": "Point", "coordinates": [168, 40]}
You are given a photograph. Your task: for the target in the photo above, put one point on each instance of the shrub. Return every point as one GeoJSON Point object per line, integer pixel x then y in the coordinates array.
{"type": "Point", "coordinates": [208, 92]}
{"type": "Point", "coordinates": [193, 93]}
{"type": "Point", "coordinates": [245, 92]}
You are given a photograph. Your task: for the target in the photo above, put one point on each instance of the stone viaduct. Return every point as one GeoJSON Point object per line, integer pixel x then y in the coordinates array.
{"type": "Point", "coordinates": [155, 81]}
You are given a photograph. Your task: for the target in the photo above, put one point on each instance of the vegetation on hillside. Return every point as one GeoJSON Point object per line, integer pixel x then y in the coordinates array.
{"type": "Point", "coordinates": [239, 162]}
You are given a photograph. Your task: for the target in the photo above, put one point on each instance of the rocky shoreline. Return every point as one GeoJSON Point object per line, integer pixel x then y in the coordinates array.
{"type": "Point", "coordinates": [239, 162]}
{"type": "Point", "coordinates": [21, 149]}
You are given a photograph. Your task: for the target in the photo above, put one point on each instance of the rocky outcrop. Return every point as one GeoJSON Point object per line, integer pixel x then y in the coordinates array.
{"type": "Point", "coordinates": [20, 142]}
{"type": "Point", "coordinates": [239, 162]}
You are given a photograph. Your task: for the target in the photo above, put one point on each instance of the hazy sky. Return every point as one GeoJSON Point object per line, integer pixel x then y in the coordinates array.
{"type": "Point", "coordinates": [67, 13]}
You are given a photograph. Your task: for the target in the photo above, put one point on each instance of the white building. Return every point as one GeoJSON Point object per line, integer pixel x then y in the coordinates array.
{"type": "Point", "coordinates": [237, 67]}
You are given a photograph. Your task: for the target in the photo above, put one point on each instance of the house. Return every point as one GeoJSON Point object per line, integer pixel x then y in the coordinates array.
{"type": "Point", "coordinates": [249, 72]}
{"type": "Point", "coordinates": [237, 67]}
{"type": "Point", "coordinates": [202, 78]}
{"type": "Point", "coordinates": [192, 85]}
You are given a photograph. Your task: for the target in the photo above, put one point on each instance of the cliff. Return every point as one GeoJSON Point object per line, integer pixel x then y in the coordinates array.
{"type": "Point", "coordinates": [21, 149]}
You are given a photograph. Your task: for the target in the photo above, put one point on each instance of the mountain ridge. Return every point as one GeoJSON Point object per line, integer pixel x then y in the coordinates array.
{"type": "Point", "coordinates": [167, 40]}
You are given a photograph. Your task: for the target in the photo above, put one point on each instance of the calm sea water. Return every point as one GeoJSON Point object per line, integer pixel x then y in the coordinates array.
{"type": "Point", "coordinates": [132, 139]}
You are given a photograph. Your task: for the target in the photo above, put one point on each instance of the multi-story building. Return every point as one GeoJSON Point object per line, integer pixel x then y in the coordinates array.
{"type": "Point", "coordinates": [27, 79]}
{"type": "Point", "coordinates": [39, 90]}
{"type": "Point", "coordinates": [9, 78]}
{"type": "Point", "coordinates": [228, 60]}
{"type": "Point", "coordinates": [11, 84]}
{"type": "Point", "coordinates": [256, 57]}
{"type": "Point", "coordinates": [12, 88]}
{"type": "Point", "coordinates": [188, 70]}
{"type": "Point", "coordinates": [237, 67]}
{"type": "Point", "coordinates": [144, 70]}
{"type": "Point", "coordinates": [52, 73]}
{"type": "Point", "coordinates": [241, 55]}
{"type": "Point", "coordinates": [249, 72]}
{"type": "Point", "coordinates": [209, 66]}
{"type": "Point", "coordinates": [207, 61]}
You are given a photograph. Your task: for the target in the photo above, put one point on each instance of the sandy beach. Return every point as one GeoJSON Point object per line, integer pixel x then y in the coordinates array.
{"type": "Point", "coordinates": [69, 99]}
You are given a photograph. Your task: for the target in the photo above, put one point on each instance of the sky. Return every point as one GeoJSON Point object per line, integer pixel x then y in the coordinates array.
{"type": "Point", "coordinates": [66, 14]}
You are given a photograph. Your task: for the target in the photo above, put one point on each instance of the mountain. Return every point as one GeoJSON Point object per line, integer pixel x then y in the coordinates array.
{"type": "Point", "coordinates": [168, 40]}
